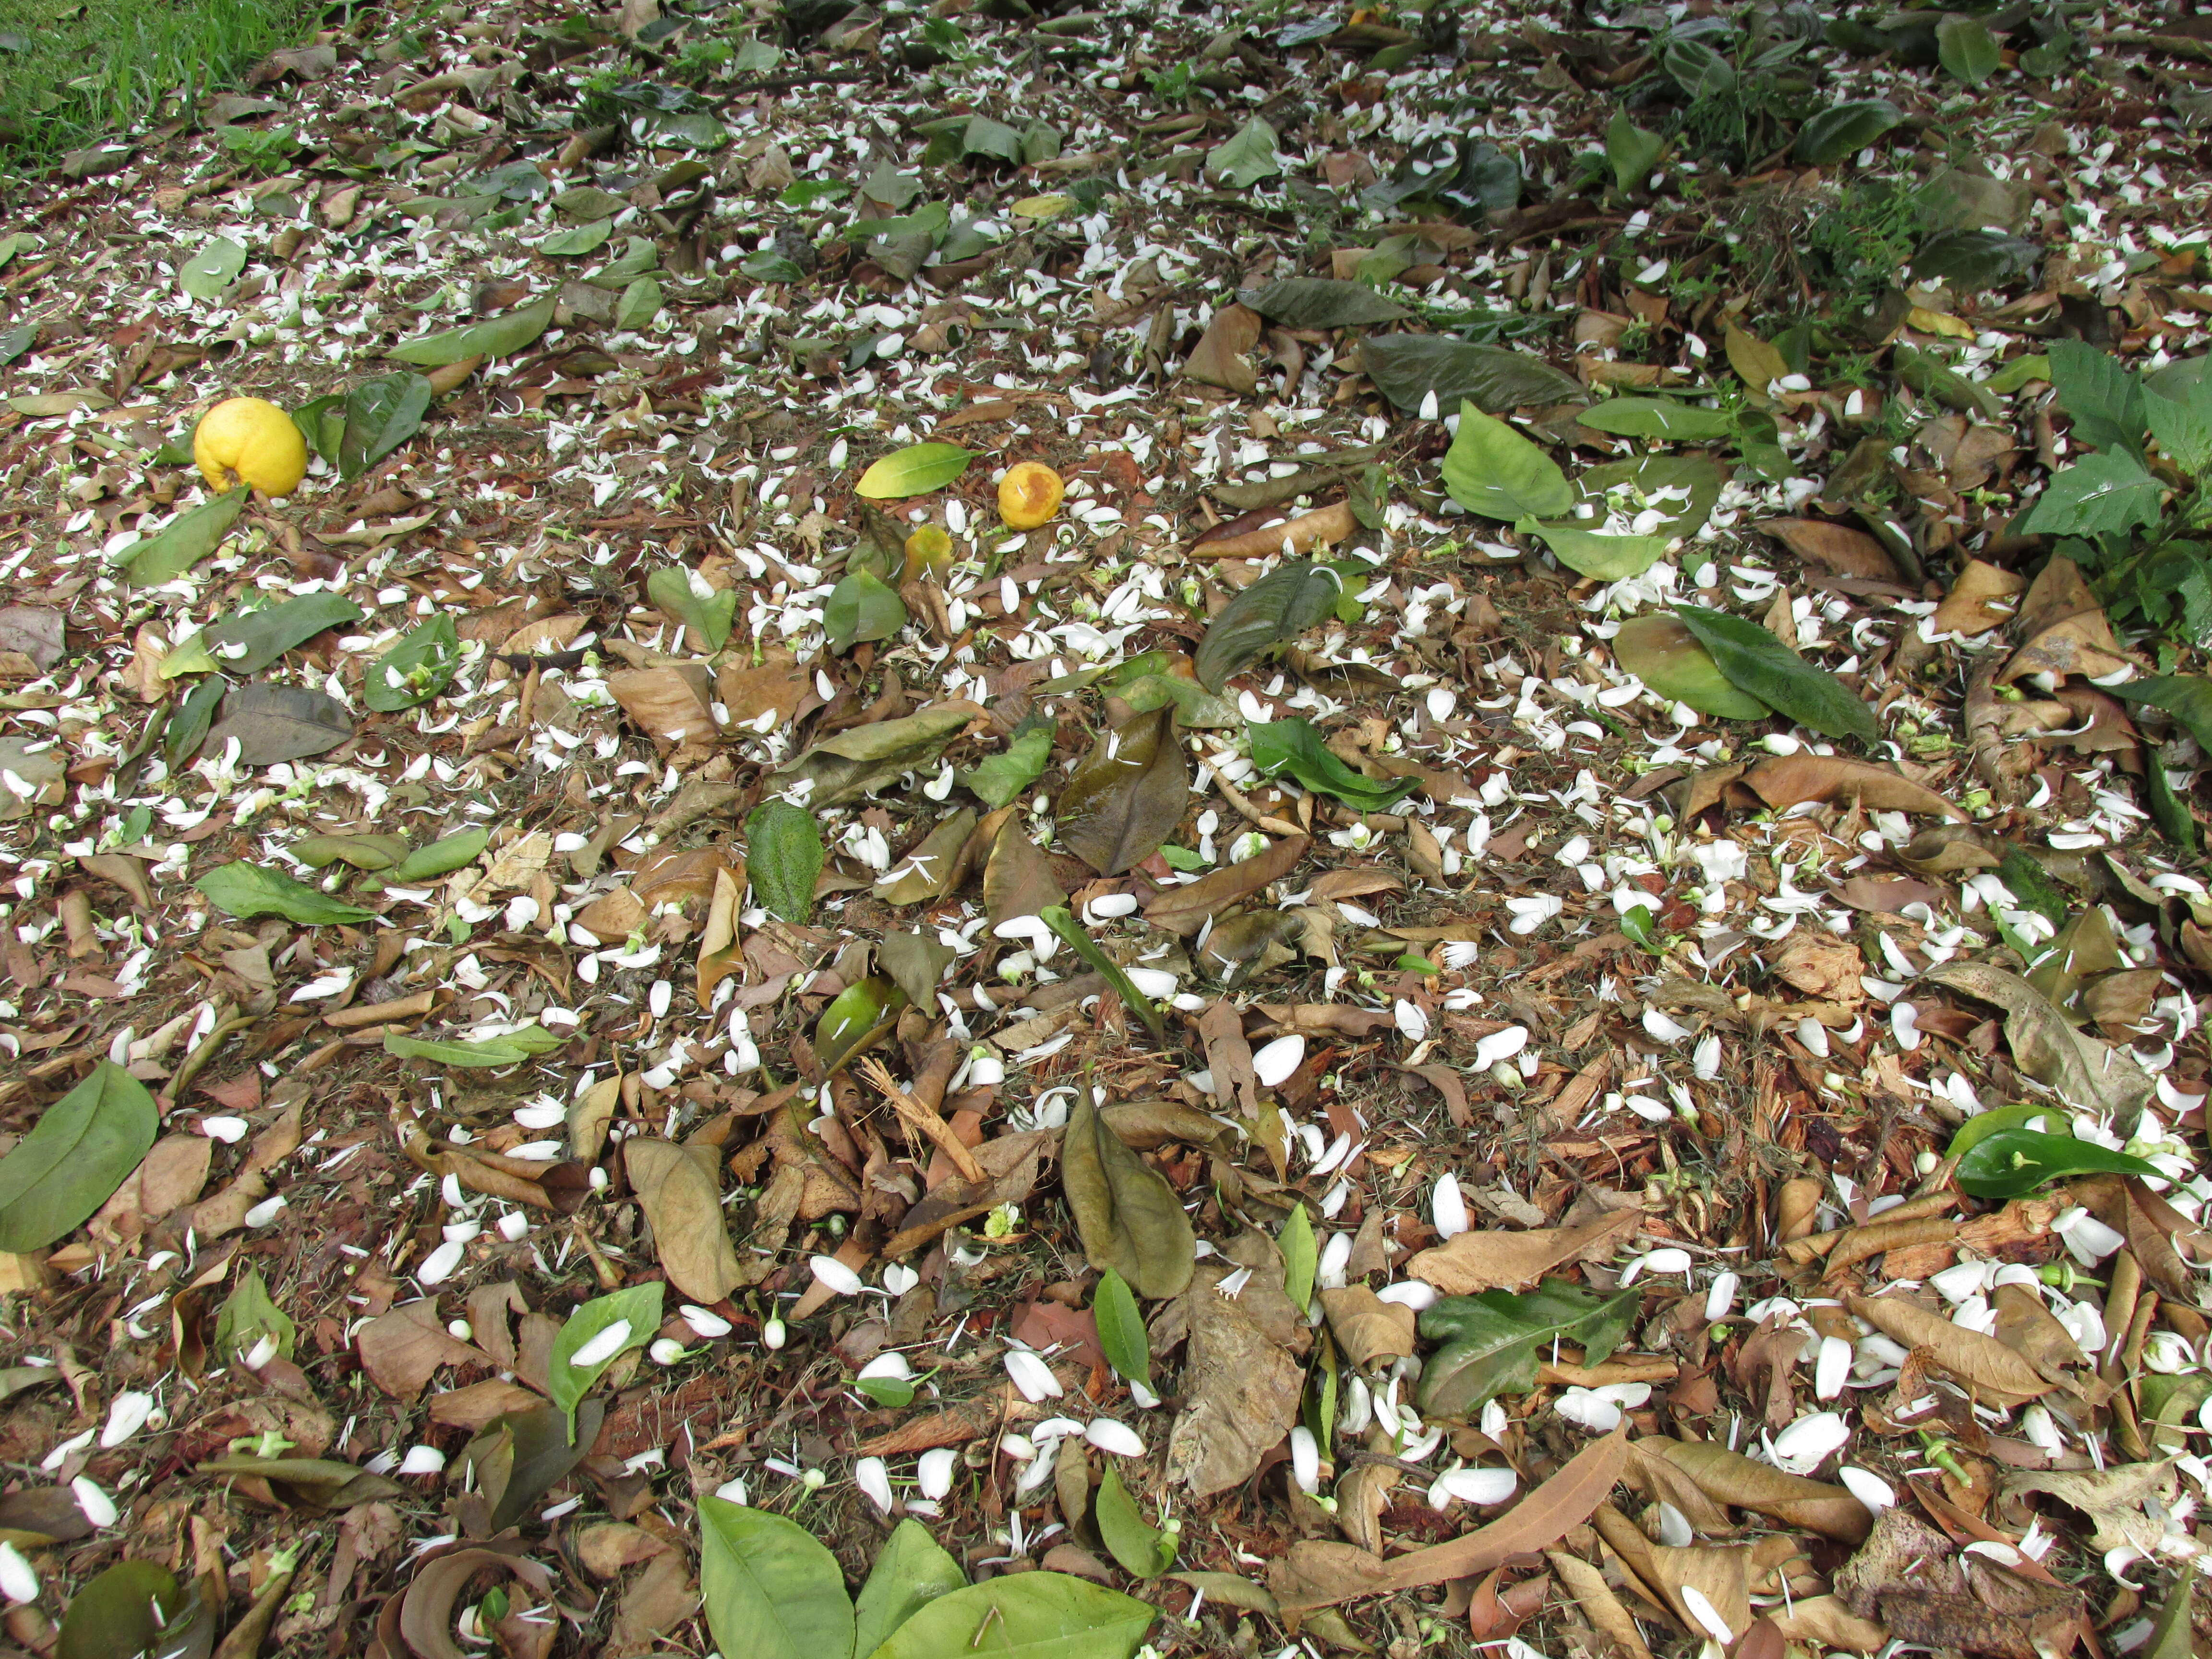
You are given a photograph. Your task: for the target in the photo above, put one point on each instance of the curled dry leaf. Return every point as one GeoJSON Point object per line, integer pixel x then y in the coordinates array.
{"type": "Point", "coordinates": [1731, 1478]}
{"type": "Point", "coordinates": [1186, 909]}
{"type": "Point", "coordinates": [1241, 1378]}
{"type": "Point", "coordinates": [1292, 538]}
{"type": "Point", "coordinates": [1997, 1376]}
{"type": "Point", "coordinates": [1219, 358]}
{"type": "Point", "coordinates": [427, 1608]}
{"type": "Point", "coordinates": [1983, 596]}
{"type": "Point", "coordinates": [1129, 1217]}
{"type": "Point", "coordinates": [2087, 1072]}
{"type": "Point", "coordinates": [1124, 797]}
{"type": "Point", "coordinates": [1368, 1331]}
{"type": "Point", "coordinates": [680, 1190]}
{"type": "Point", "coordinates": [1786, 781]}
{"type": "Point", "coordinates": [1473, 1261]}
{"type": "Point", "coordinates": [1834, 547]}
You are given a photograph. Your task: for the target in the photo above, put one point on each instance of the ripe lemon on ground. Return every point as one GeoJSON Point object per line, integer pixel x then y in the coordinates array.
{"type": "Point", "coordinates": [1029, 494]}
{"type": "Point", "coordinates": [249, 441]}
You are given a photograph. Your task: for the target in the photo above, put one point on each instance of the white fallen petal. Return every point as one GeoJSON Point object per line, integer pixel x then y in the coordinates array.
{"type": "Point", "coordinates": [1586, 1408]}
{"type": "Point", "coordinates": [421, 1460]}
{"type": "Point", "coordinates": [1705, 1613]}
{"type": "Point", "coordinates": [1720, 1297]}
{"type": "Point", "coordinates": [1305, 1458]}
{"type": "Point", "coordinates": [834, 1275]}
{"type": "Point", "coordinates": [19, 1579]}
{"type": "Point", "coordinates": [1274, 1062]}
{"type": "Point", "coordinates": [1476, 1486]}
{"type": "Point", "coordinates": [125, 1416]}
{"type": "Point", "coordinates": [1833, 1367]}
{"type": "Point", "coordinates": [704, 1321]}
{"type": "Point", "coordinates": [1032, 1376]}
{"type": "Point", "coordinates": [1118, 1439]}
{"type": "Point", "coordinates": [873, 1477]}
{"type": "Point", "coordinates": [1449, 1207]}
{"type": "Point", "coordinates": [1800, 1447]}
{"type": "Point", "coordinates": [899, 1279]}
{"type": "Point", "coordinates": [1412, 1021]}
{"type": "Point", "coordinates": [99, 1508]}
{"type": "Point", "coordinates": [934, 1474]}
{"type": "Point", "coordinates": [1410, 1293]}
{"type": "Point", "coordinates": [602, 1347]}
{"type": "Point", "coordinates": [227, 1130]}
{"type": "Point", "coordinates": [1500, 1045]}
{"type": "Point", "coordinates": [1869, 1488]}
{"type": "Point", "coordinates": [438, 1266]}
{"type": "Point", "coordinates": [894, 1365]}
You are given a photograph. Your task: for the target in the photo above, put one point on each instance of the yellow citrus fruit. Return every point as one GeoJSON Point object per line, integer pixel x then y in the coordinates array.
{"type": "Point", "coordinates": [249, 441]}
{"type": "Point", "coordinates": [1029, 494]}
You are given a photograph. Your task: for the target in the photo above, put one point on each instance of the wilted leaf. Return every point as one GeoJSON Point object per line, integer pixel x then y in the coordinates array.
{"type": "Point", "coordinates": [122, 1612]}
{"type": "Point", "coordinates": [1128, 1216]}
{"type": "Point", "coordinates": [380, 415]}
{"type": "Point", "coordinates": [1407, 367]}
{"type": "Point", "coordinates": [274, 723]}
{"type": "Point", "coordinates": [1245, 158]}
{"type": "Point", "coordinates": [997, 779]}
{"type": "Point", "coordinates": [1836, 547]}
{"type": "Point", "coordinates": [1659, 650]}
{"type": "Point", "coordinates": [82, 1148]}
{"type": "Point", "coordinates": [511, 1048]}
{"type": "Point", "coordinates": [680, 1191]}
{"type": "Point", "coordinates": [1998, 1376]}
{"type": "Point", "coordinates": [1017, 878]}
{"type": "Point", "coordinates": [850, 764]}
{"type": "Point", "coordinates": [213, 269]}
{"type": "Point", "coordinates": [855, 1019]}
{"type": "Point", "coordinates": [1472, 1262]}
{"type": "Point", "coordinates": [1218, 358]}
{"type": "Point", "coordinates": [1241, 1378]}
{"type": "Point", "coordinates": [1322, 302]}
{"type": "Point", "coordinates": [861, 607]}
{"type": "Point", "coordinates": [2087, 1072]}
{"type": "Point", "coordinates": [1756, 662]}
{"type": "Point", "coordinates": [1728, 1477]}
{"type": "Point", "coordinates": [1272, 612]}
{"type": "Point", "coordinates": [1126, 796]}
{"type": "Point", "coordinates": [248, 1314]}
{"type": "Point", "coordinates": [246, 890]}
{"type": "Point", "coordinates": [1185, 910]}
{"type": "Point", "coordinates": [927, 870]}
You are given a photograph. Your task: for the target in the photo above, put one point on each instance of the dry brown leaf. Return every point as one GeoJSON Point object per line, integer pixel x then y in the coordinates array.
{"type": "Point", "coordinates": [1361, 1498]}
{"type": "Point", "coordinates": [1242, 1381]}
{"type": "Point", "coordinates": [1984, 597]}
{"type": "Point", "coordinates": [2063, 629]}
{"type": "Point", "coordinates": [1593, 1597]}
{"type": "Point", "coordinates": [174, 1171]}
{"type": "Point", "coordinates": [680, 1189]}
{"type": "Point", "coordinates": [403, 1349]}
{"type": "Point", "coordinates": [1219, 358]}
{"type": "Point", "coordinates": [1017, 879]}
{"type": "Point", "coordinates": [1997, 1376]}
{"type": "Point", "coordinates": [2127, 1505]}
{"type": "Point", "coordinates": [2030, 1329]}
{"type": "Point", "coordinates": [608, 1546]}
{"type": "Point", "coordinates": [426, 1610]}
{"type": "Point", "coordinates": [1825, 1620]}
{"type": "Point", "coordinates": [1511, 1261]}
{"type": "Point", "coordinates": [1228, 1057]}
{"type": "Point", "coordinates": [669, 705]}
{"type": "Point", "coordinates": [1323, 526]}
{"type": "Point", "coordinates": [225, 1213]}
{"type": "Point", "coordinates": [1731, 1478]}
{"type": "Point", "coordinates": [719, 953]}
{"type": "Point", "coordinates": [1835, 547]}
{"type": "Point", "coordinates": [1185, 910]}
{"type": "Point", "coordinates": [774, 686]}
{"type": "Point", "coordinates": [480, 1404]}
{"type": "Point", "coordinates": [1368, 1330]}
{"type": "Point", "coordinates": [1784, 780]}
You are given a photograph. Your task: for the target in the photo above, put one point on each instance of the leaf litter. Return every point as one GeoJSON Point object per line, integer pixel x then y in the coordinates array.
{"type": "Point", "coordinates": [1529, 976]}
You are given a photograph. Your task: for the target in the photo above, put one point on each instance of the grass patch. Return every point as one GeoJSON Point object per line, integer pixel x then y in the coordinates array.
{"type": "Point", "coordinates": [74, 70]}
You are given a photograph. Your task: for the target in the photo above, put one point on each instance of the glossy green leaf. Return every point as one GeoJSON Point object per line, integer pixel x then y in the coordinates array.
{"type": "Point", "coordinates": [1966, 49]}
{"type": "Point", "coordinates": [510, 1049]}
{"type": "Point", "coordinates": [212, 270]}
{"type": "Point", "coordinates": [1127, 1216]}
{"type": "Point", "coordinates": [1301, 1255]}
{"type": "Point", "coordinates": [1631, 151]}
{"type": "Point", "coordinates": [1024, 1615]}
{"type": "Point", "coordinates": [1296, 746]}
{"type": "Point", "coordinates": [1272, 611]}
{"type": "Point", "coordinates": [1491, 470]}
{"type": "Point", "coordinates": [1601, 556]}
{"type": "Point", "coordinates": [2169, 810]}
{"type": "Point", "coordinates": [1658, 417]}
{"type": "Point", "coordinates": [2013, 1162]}
{"type": "Point", "coordinates": [2102, 397]}
{"type": "Point", "coordinates": [912, 1570]}
{"type": "Point", "coordinates": [188, 725]}
{"type": "Point", "coordinates": [577, 240]}
{"type": "Point", "coordinates": [1662, 653]}
{"type": "Point", "coordinates": [494, 336]}
{"type": "Point", "coordinates": [855, 1018]}
{"type": "Point", "coordinates": [784, 857]}
{"type": "Point", "coordinates": [1492, 1341]}
{"type": "Point", "coordinates": [2187, 697]}
{"type": "Point", "coordinates": [1057, 917]}
{"type": "Point", "coordinates": [862, 606]}
{"type": "Point", "coordinates": [1407, 369]}
{"type": "Point", "coordinates": [1143, 1550]}
{"type": "Point", "coordinates": [1756, 662]}
{"type": "Point", "coordinates": [416, 669]}
{"type": "Point", "coordinates": [246, 890]}
{"type": "Point", "coordinates": [707, 617]}
{"type": "Point", "coordinates": [441, 858]}
{"type": "Point", "coordinates": [1322, 302]}
{"type": "Point", "coordinates": [2101, 494]}
{"type": "Point", "coordinates": [639, 303]}
{"type": "Point", "coordinates": [1840, 132]}
{"type": "Point", "coordinates": [186, 539]}
{"type": "Point", "coordinates": [380, 415]}
{"type": "Point", "coordinates": [1245, 158]}
{"type": "Point", "coordinates": [1982, 1125]}
{"type": "Point", "coordinates": [2182, 431]}
{"type": "Point", "coordinates": [250, 1313]}
{"type": "Point", "coordinates": [914, 470]}
{"type": "Point", "coordinates": [247, 643]}
{"type": "Point", "coordinates": [984, 136]}
{"type": "Point", "coordinates": [1122, 1334]}
{"type": "Point", "coordinates": [2172, 1637]}
{"type": "Point", "coordinates": [637, 1309]}
{"type": "Point", "coordinates": [82, 1148]}
{"type": "Point", "coordinates": [120, 1614]}
{"type": "Point", "coordinates": [770, 1591]}
{"type": "Point", "coordinates": [372, 852]}
{"type": "Point", "coordinates": [997, 779]}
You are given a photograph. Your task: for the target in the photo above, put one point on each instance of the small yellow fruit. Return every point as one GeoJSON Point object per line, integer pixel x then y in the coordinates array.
{"type": "Point", "coordinates": [1029, 494]}
{"type": "Point", "coordinates": [928, 552]}
{"type": "Point", "coordinates": [249, 441]}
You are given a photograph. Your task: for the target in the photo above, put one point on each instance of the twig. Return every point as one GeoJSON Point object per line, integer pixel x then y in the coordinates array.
{"type": "Point", "coordinates": [919, 1114]}
{"type": "Point", "coordinates": [1237, 797]}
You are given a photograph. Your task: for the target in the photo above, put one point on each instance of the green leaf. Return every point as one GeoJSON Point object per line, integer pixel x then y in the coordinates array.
{"type": "Point", "coordinates": [984, 136]}
{"type": "Point", "coordinates": [1491, 470]}
{"type": "Point", "coordinates": [783, 858]}
{"type": "Point", "coordinates": [807, 194]}
{"type": "Point", "coordinates": [321, 423]}
{"type": "Point", "coordinates": [1756, 662]}
{"type": "Point", "coordinates": [1057, 917]}
{"type": "Point", "coordinates": [854, 1020]}
{"type": "Point", "coordinates": [1122, 1334]}
{"type": "Point", "coordinates": [416, 669]}
{"type": "Point", "coordinates": [848, 765]}
{"type": "Point", "coordinates": [1245, 158]}
{"type": "Point", "coordinates": [999, 778]}
{"type": "Point", "coordinates": [188, 727]}
{"type": "Point", "coordinates": [916, 962]}
{"type": "Point", "coordinates": [2108, 491]}
{"type": "Point", "coordinates": [1966, 49]}
{"type": "Point", "coordinates": [1407, 367]}
{"type": "Point", "coordinates": [246, 890]}
{"type": "Point", "coordinates": [1683, 488]}
{"type": "Point", "coordinates": [1658, 417]}
{"type": "Point", "coordinates": [1600, 555]}
{"type": "Point", "coordinates": [1322, 302]}
{"type": "Point", "coordinates": [2170, 1637]}
{"type": "Point", "coordinates": [1301, 1255]}
{"type": "Point", "coordinates": [247, 643]}
{"type": "Point", "coordinates": [120, 1613]}
{"type": "Point", "coordinates": [914, 470]}
{"type": "Point", "coordinates": [2167, 809]}
{"type": "Point", "coordinates": [494, 336]}
{"type": "Point", "coordinates": [1923, 371]}
{"type": "Point", "coordinates": [212, 270]}
{"type": "Point", "coordinates": [250, 1313]}
{"type": "Point", "coordinates": [2183, 433]}
{"type": "Point", "coordinates": [1143, 1550]}
{"type": "Point", "coordinates": [1972, 260]}
{"type": "Point", "coordinates": [770, 1591]}
{"type": "Point", "coordinates": [373, 853]}
{"type": "Point", "coordinates": [2100, 395]}
{"type": "Point", "coordinates": [1842, 131]}
{"type": "Point", "coordinates": [1630, 150]}
{"type": "Point", "coordinates": [380, 415]}
{"type": "Point", "coordinates": [1696, 68]}
{"type": "Point", "coordinates": [1025, 1615]}
{"type": "Point", "coordinates": [577, 239]}
{"type": "Point", "coordinates": [1659, 650]}
{"type": "Point", "coordinates": [75, 1156]}
{"type": "Point", "coordinates": [2018, 372]}
{"type": "Point", "coordinates": [441, 858]}
{"type": "Point", "coordinates": [1127, 1215]}
{"type": "Point", "coordinates": [707, 617]}
{"type": "Point", "coordinates": [637, 1308]}
{"type": "Point", "coordinates": [863, 606]}
{"type": "Point", "coordinates": [1296, 746]}
{"type": "Point", "coordinates": [912, 1570]}
{"type": "Point", "coordinates": [639, 303]}
{"type": "Point", "coordinates": [1492, 1341]}
{"type": "Point", "coordinates": [183, 542]}
{"type": "Point", "coordinates": [1126, 795]}
{"type": "Point", "coordinates": [2187, 697]}
{"type": "Point", "coordinates": [2013, 1162]}
{"type": "Point", "coordinates": [509, 1049]}
{"type": "Point", "coordinates": [1272, 611]}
